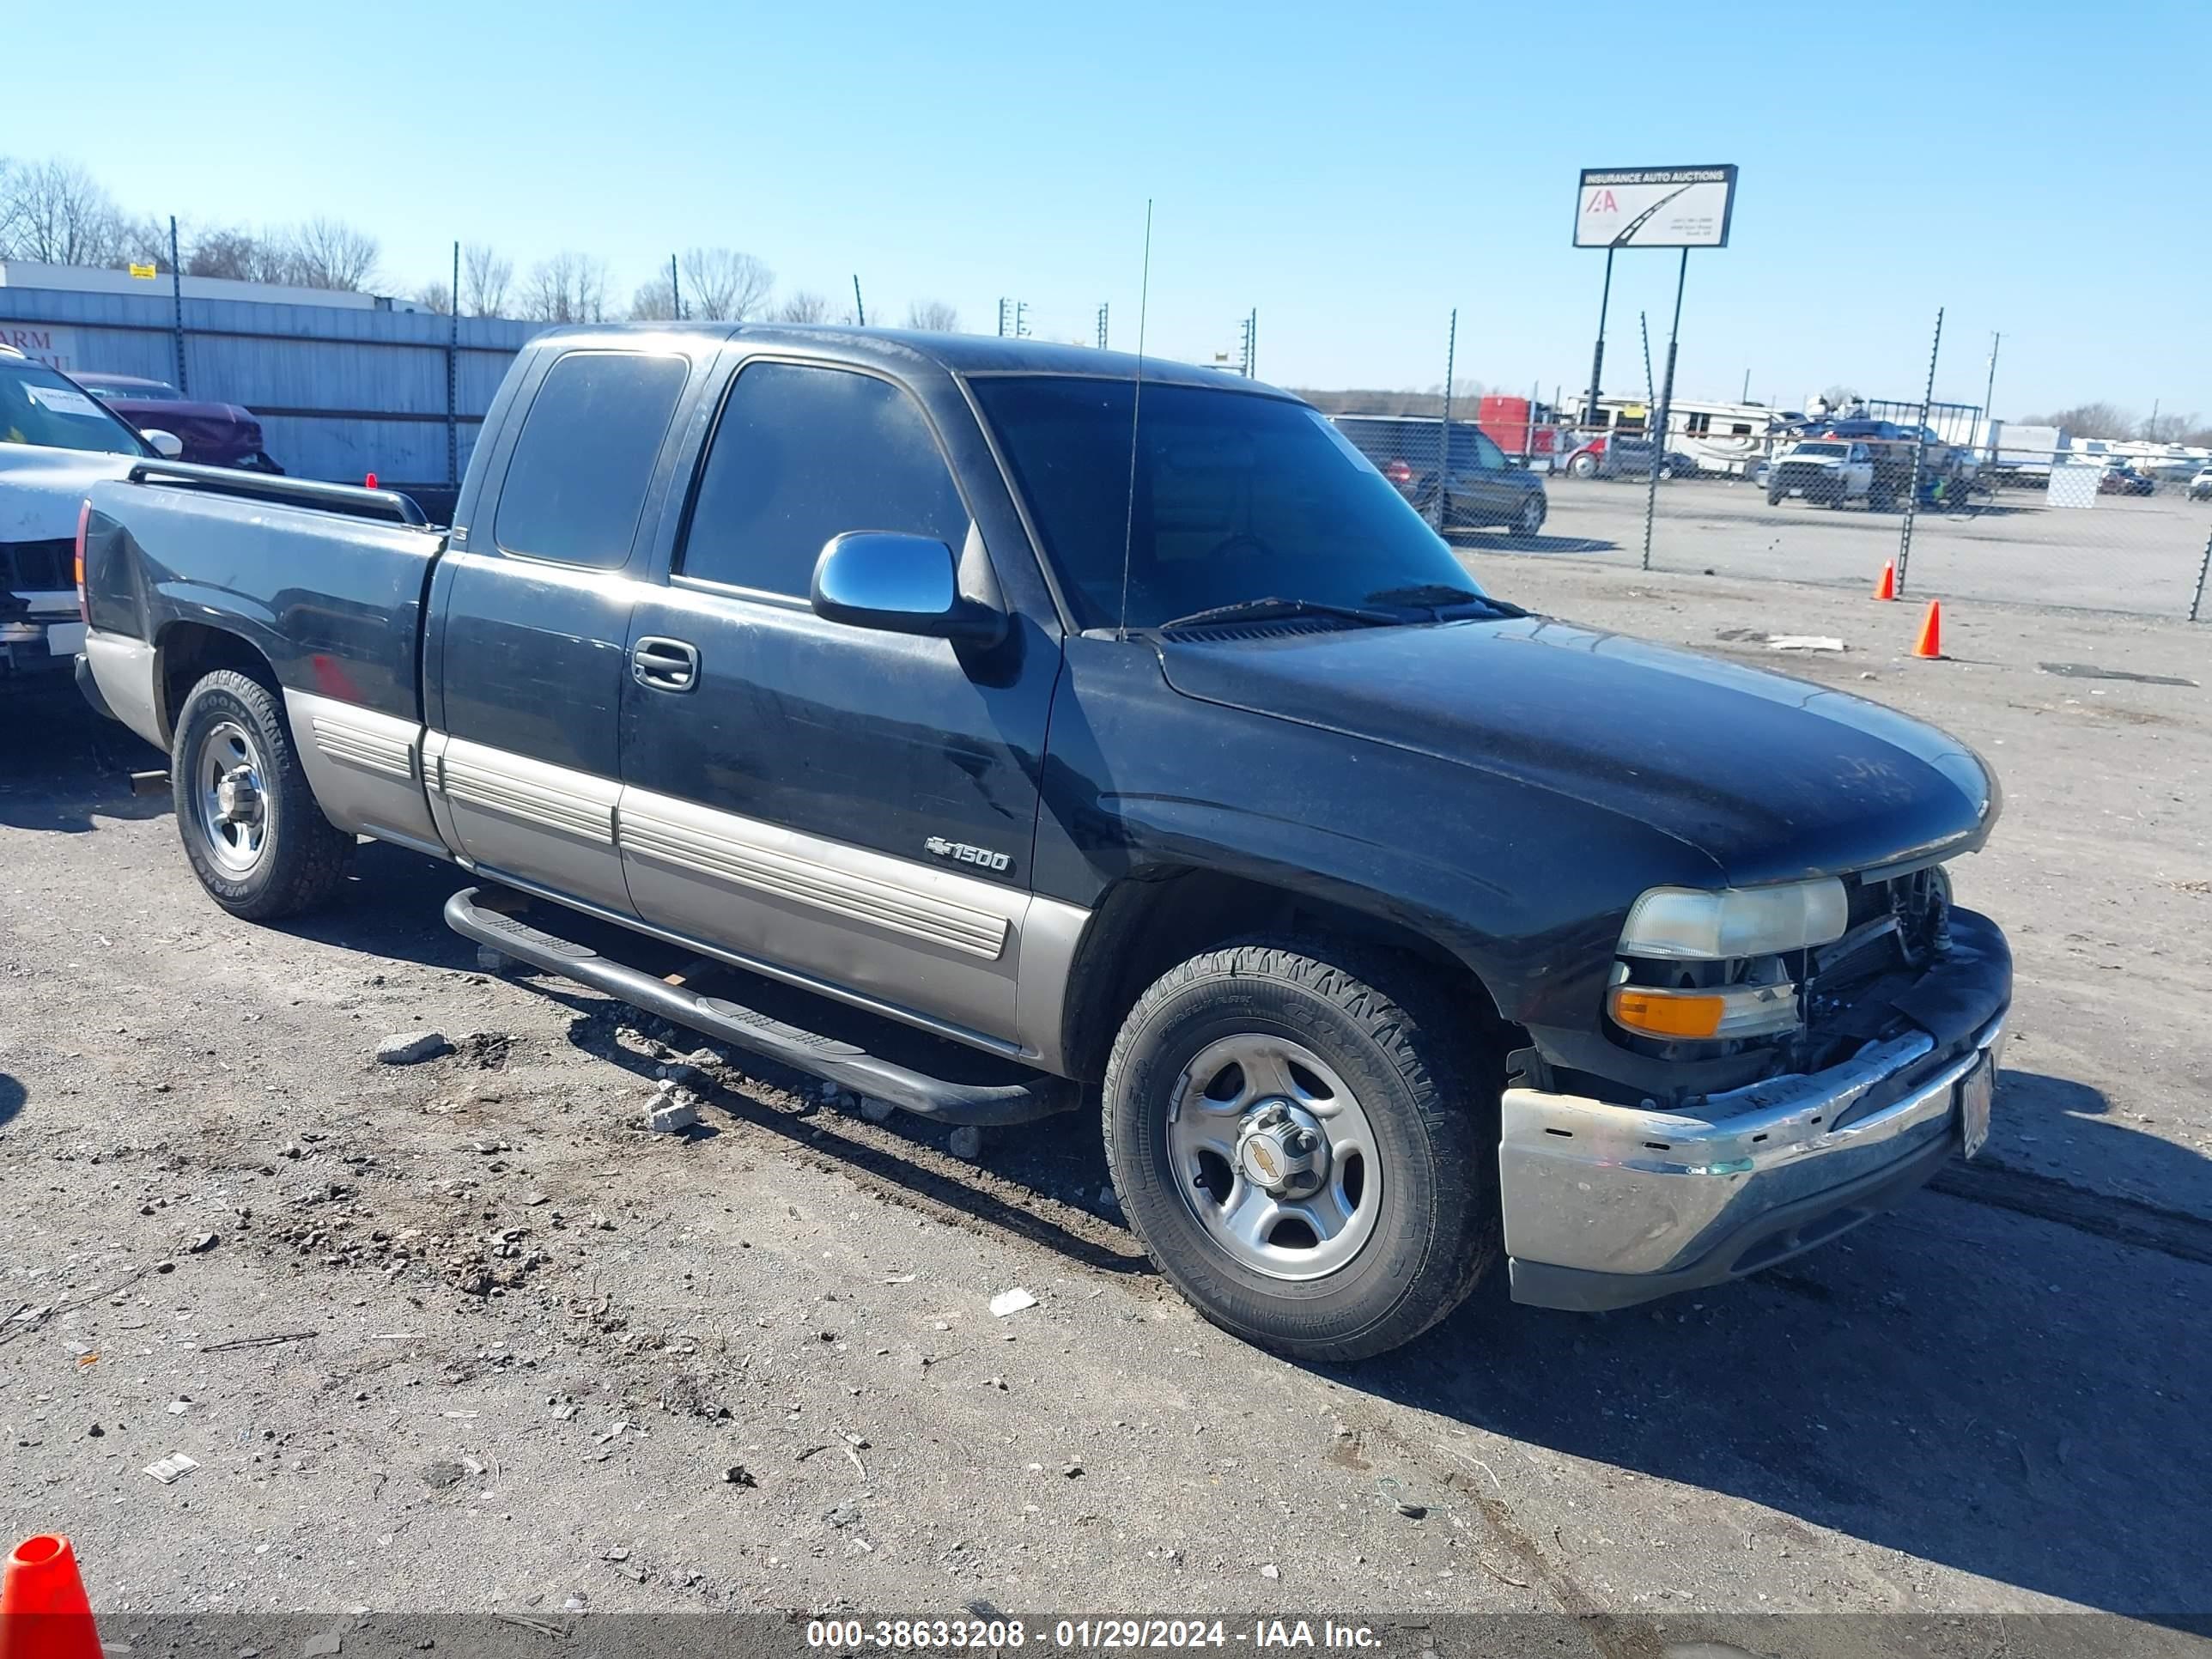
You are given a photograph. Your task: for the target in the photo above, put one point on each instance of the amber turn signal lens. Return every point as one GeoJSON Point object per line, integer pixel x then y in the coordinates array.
{"type": "Point", "coordinates": [1660, 1016]}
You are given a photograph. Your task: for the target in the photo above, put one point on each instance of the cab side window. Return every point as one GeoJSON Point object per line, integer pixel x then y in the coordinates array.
{"type": "Point", "coordinates": [802, 454]}
{"type": "Point", "coordinates": [577, 480]}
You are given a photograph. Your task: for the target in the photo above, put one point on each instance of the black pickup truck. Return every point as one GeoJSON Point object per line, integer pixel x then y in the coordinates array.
{"type": "Point", "coordinates": [1122, 725]}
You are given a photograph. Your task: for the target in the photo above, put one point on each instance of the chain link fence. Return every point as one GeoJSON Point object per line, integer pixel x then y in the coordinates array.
{"type": "Point", "coordinates": [1950, 504]}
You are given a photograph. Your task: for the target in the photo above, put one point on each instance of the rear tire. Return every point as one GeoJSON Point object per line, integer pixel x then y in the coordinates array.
{"type": "Point", "coordinates": [1405, 1221]}
{"type": "Point", "coordinates": [252, 830]}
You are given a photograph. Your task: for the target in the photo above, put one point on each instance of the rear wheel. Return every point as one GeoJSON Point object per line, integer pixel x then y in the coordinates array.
{"type": "Point", "coordinates": [1309, 1157]}
{"type": "Point", "coordinates": [252, 830]}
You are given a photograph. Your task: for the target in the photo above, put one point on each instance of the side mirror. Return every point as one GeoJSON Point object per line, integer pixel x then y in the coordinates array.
{"type": "Point", "coordinates": [901, 584]}
{"type": "Point", "coordinates": [167, 444]}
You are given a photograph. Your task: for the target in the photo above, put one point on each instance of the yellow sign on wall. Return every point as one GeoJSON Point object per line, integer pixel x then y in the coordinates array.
{"type": "Point", "coordinates": [146, 273]}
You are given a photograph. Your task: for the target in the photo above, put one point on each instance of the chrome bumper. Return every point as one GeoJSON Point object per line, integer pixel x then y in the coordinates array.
{"type": "Point", "coordinates": [1607, 1206]}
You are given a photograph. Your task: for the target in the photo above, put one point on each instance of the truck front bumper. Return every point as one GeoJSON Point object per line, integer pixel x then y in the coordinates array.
{"type": "Point", "coordinates": [1608, 1206]}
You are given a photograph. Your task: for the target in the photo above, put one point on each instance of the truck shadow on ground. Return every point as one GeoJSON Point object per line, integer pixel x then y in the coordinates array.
{"type": "Point", "coordinates": [1963, 1381]}
{"type": "Point", "coordinates": [60, 763]}
{"type": "Point", "coordinates": [1960, 1381]}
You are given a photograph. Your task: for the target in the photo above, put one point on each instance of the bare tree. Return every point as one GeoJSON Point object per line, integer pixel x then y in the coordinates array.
{"type": "Point", "coordinates": [329, 253]}
{"type": "Point", "coordinates": [804, 307]}
{"type": "Point", "coordinates": [655, 301]}
{"type": "Point", "coordinates": [723, 285]}
{"type": "Point", "coordinates": [2098, 420]}
{"type": "Point", "coordinates": [1840, 397]}
{"type": "Point", "coordinates": [485, 278]}
{"type": "Point", "coordinates": [568, 288]}
{"type": "Point", "coordinates": [435, 297]}
{"type": "Point", "coordinates": [245, 256]}
{"type": "Point", "coordinates": [58, 214]}
{"type": "Point", "coordinates": [934, 315]}
{"type": "Point", "coordinates": [10, 204]}
{"type": "Point", "coordinates": [2170, 429]}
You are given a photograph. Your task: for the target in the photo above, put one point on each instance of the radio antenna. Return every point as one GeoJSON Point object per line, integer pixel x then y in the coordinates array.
{"type": "Point", "coordinates": [1136, 399]}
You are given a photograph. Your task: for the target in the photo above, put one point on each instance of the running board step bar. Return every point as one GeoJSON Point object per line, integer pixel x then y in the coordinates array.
{"type": "Point", "coordinates": [843, 1063]}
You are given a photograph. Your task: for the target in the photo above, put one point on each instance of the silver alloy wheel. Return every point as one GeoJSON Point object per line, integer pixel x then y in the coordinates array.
{"type": "Point", "coordinates": [1274, 1156]}
{"type": "Point", "coordinates": [228, 796]}
{"type": "Point", "coordinates": [1532, 516]}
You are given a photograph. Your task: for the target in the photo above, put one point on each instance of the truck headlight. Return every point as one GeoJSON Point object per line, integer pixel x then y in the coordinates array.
{"type": "Point", "coordinates": [1690, 924]}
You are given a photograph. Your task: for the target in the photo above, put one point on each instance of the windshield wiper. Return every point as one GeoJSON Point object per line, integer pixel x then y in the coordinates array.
{"type": "Point", "coordinates": [1435, 596]}
{"type": "Point", "coordinates": [1260, 609]}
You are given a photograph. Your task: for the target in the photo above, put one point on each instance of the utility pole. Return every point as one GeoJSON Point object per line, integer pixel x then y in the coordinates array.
{"type": "Point", "coordinates": [1249, 355]}
{"type": "Point", "coordinates": [453, 376]}
{"type": "Point", "coordinates": [860, 308]}
{"type": "Point", "coordinates": [1003, 303]}
{"type": "Point", "coordinates": [177, 299]}
{"type": "Point", "coordinates": [1443, 435]}
{"type": "Point", "coordinates": [1021, 320]}
{"type": "Point", "coordinates": [675, 290]}
{"type": "Point", "coordinates": [1990, 400]}
{"type": "Point", "coordinates": [1102, 328]}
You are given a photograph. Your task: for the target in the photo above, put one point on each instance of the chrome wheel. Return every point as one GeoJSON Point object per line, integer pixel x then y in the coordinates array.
{"type": "Point", "coordinates": [1274, 1156]}
{"type": "Point", "coordinates": [228, 797]}
{"type": "Point", "coordinates": [1532, 516]}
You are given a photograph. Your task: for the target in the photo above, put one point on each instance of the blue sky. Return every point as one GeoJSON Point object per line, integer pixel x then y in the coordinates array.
{"type": "Point", "coordinates": [1353, 171]}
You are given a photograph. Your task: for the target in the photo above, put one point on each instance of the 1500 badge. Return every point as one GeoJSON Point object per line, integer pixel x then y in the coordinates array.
{"type": "Point", "coordinates": [960, 853]}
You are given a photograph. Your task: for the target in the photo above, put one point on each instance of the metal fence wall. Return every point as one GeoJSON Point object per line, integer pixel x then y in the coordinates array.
{"type": "Point", "coordinates": [339, 393]}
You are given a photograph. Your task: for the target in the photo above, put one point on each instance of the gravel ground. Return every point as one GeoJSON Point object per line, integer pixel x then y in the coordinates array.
{"type": "Point", "coordinates": [463, 1336]}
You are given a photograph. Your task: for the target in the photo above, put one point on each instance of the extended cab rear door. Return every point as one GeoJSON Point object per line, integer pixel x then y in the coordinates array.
{"type": "Point", "coordinates": [532, 611]}
{"type": "Point", "coordinates": [850, 808]}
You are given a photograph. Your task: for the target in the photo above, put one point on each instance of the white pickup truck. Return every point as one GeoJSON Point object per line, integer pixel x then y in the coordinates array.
{"type": "Point", "coordinates": [1829, 471]}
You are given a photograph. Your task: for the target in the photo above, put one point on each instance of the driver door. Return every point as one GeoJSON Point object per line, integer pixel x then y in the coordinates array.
{"type": "Point", "coordinates": [852, 807]}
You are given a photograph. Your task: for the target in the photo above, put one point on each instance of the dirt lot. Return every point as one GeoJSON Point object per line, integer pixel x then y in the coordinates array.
{"type": "Point", "coordinates": [2127, 553]}
{"type": "Point", "coordinates": [462, 1335]}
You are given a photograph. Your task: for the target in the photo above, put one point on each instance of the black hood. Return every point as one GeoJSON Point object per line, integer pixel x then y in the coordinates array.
{"type": "Point", "coordinates": [1769, 777]}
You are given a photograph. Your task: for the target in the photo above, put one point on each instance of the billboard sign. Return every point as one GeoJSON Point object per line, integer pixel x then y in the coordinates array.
{"type": "Point", "coordinates": [1655, 207]}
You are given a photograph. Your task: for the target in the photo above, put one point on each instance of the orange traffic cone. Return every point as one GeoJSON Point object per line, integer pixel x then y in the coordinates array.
{"type": "Point", "coordinates": [1886, 587]}
{"type": "Point", "coordinates": [43, 1611]}
{"type": "Point", "coordinates": [1930, 643]}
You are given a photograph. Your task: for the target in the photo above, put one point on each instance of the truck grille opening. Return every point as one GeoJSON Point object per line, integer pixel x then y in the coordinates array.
{"type": "Point", "coordinates": [36, 567]}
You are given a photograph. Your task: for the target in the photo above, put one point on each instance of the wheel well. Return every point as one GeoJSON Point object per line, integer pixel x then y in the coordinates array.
{"type": "Point", "coordinates": [1151, 920]}
{"type": "Point", "coordinates": [191, 651]}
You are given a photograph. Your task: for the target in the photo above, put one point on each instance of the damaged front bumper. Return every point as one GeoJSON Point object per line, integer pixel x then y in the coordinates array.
{"type": "Point", "coordinates": [1607, 1206]}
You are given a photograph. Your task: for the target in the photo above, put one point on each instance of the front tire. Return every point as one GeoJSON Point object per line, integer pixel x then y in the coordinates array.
{"type": "Point", "coordinates": [1330, 1248]}
{"type": "Point", "coordinates": [252, 830]}
{"type": "Point", "coordinates": [1528, 522]}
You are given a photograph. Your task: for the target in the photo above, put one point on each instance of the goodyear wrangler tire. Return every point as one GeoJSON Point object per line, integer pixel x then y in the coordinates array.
{"type": "Point", "coordinates": [1307, 1155]}
{"type": "Point", "coordinates": [252, 830]}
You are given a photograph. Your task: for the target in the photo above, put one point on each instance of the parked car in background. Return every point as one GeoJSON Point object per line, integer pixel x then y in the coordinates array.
{"type": "Point", "coordinates": [213, 435]}
{"type": "Point", "coordinates": [2124, 480]}
{"type": "Point", "coordinates": [1626, 455]}
{"type": "Point", "coordinates": [2200, 487]}
{"type": "Point", "coordinates": [55, 442]}
{"type": "Point", "coordinates": [1485, 486]}
{"type": "Point", "coordinates": [1827, 473]}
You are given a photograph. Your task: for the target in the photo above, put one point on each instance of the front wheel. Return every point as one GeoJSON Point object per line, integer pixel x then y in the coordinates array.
{"type": "Point", "coordinates": [1311, 1159]}
{"type": "Point", "coordinates": [1583, 466]}
{"type": "Point", "coordinates": [252, 830]}
{"type": "Point", "coordinates": [1528, 522]}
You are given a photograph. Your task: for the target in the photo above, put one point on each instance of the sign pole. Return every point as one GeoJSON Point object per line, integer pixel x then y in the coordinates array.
{"type": "Point", "coordinates": [1666, 401]}
{"type": "Point", "coordinates": [1597, 356]}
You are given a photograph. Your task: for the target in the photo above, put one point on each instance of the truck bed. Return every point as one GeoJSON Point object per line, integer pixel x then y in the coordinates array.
{"type": "Point", "coordinates": [327, 582]}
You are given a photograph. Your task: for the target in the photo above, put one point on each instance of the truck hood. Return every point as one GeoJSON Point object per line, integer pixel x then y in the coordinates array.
{"type": "Point", "coordinates": [42, 489]}
{"type": "Point", "coordinates": [1769, 777]}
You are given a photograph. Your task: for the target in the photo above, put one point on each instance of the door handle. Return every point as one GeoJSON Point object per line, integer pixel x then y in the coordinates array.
{"type": "Point", "coordinates": [665, 664]}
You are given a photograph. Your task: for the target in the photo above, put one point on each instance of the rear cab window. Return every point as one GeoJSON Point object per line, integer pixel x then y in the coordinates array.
{"type": "Point", "coordinates": [584, 459]}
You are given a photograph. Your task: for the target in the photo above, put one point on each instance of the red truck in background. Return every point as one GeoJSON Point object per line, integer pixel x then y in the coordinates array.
{"type": "Point", "coordinates": [1521, 426]}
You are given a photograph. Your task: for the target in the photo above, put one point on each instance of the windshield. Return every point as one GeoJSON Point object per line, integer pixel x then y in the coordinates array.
{"type": "Point", "coordinates": [1236, 498]}
{"type": "Point", "coordinates": [1823, 449]}
{"type": "Point", "coordinates": [40, 407]}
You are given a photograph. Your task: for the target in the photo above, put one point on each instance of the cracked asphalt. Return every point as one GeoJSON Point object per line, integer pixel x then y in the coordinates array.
{"type": "Point", "coordinates": [466, 1336]}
